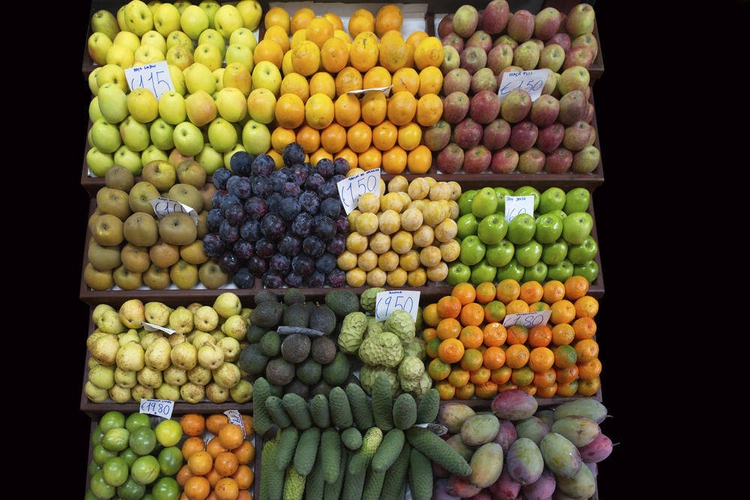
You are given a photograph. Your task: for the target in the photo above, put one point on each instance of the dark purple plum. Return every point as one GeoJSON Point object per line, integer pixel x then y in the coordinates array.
{"type": "Point", "coordinates": [298, 174]}
{"type": "Point", "coordinates": [228, 232]}
{"type": "Point", "coordinates": [289, 245]}
{"type": "Point", "coordinates": [227, 200]}
{"type": "Point", "coordinates": [289, 208]}
{"type": "Point", "coordinates": [303, 264]}
{"type": "Point", "coordinates": [214, 218]}
{"type": "Point", "coordinates": [342, 224]}
{"type": "Point", "coordinates": [324, 227]}
{"type": "Point", "coordinates": [302, 224]}
{"type": "Point", "coordinates": [273, 201]}
{"type": "Point", "coordinates": [331, 207]}
{"type": "Point", "coordinates": [329, 190]}
{"type": "Point", "coordinates": [243, 278]}
{"type": "Point", "coordinates": [243, 249]}
{"type": "Point", "coordinates": [213, 245]}
{"type": "Point", "coordinates": [272, 226]}
{"type": "Point", "coordinates": [262, 186]}
{"type": "Point", "coordinates": [263, 165]}
{"type": "Point", "coordinates": [325, 168]}
{"type": "Point", "coordinates": [240, 186]}
{"type": "Point", "coordinates": [278, 179]}
{"type": "Point", "coordinates": [315, 280]}
{"type": "Point", "coordinates": [341, 165]}
{"type": "Point", "coordinates": [220, 177]}
{"type": "Point", "coordinates": [314, 182]}
{"type": "Point", "coordinates": [241, 163]}
{"type": "Point", "coordinates": [250, 230]}
{"type": "Point", "coordinates": [293, 280]}
{"type": "Point", "coordinates": [257, 265]}
{"type": "Point", "coordinates": [280, 263]}
{"type": "Point", "coordinates": [326, 263]}
{"type": "Point", "coordinates": [256, 207]}
{"type": "Point", "coordinates": [338, 178]}
{"type": "Point", "coordinates": [309, 202]}
{"type": "Point", "coordinates": [273, 280]}
{"type": "Point", "coordinates": [337, 244]}
{"type": "Point", "coordinates": [229, 263]}
{"type": "Point", "coordinates": [291, 189]}
{"type": "Point", "coordinates": [264, 248]}
{"type": "Point", "coordinates": [234, 213]}
{"type": "Point", "coordinates": [313, 246]}
{"type": "Point", "coordinates": [217, 197]}
{"type": "Point", "coordinates": [293, 153]}
{"type": "Point", "coordinates": [336, 278]}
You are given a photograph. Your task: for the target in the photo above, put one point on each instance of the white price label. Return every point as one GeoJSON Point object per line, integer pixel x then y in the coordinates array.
{"type": "Point", "coordinates": [164, 206]}
{"type": "Point", "coordinates": [528, 320]}
{"type": "Point", "coordinates": [153, 76]}
{"type": "Point", "coordinates": [352, 188]}
{"type": "Point", "coordinates": [515, 205]}
{"type": "Point", "coordinates": [388, 301]}
{"type": "Point", "coordinates": [157, 407]}
{"type": "Point", "coordinates": [531, 81]}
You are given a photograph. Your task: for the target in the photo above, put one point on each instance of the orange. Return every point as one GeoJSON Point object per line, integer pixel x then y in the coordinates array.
{"type": "Point", "coordinates": [465, 293]}
{"type": "Point", "coordinates": [586, 307]}
{"type": "Point", "coordinates": [487, 390]}
{"type": "Point", "coordinates": [430, 315]}
{"type": "Point", "coordinates": [472, 314]}
{"type": "Point", "coordinates": [562, 311]}
{"type": "Point", "coordinates": [361, 20]}
{"type": "Point", "coordinates": [333, 138]}
{"type": "Point", "coordinates": [522, 376]}
{"type": "Point", "coordinates": [553, 290]}
{"type": "Point", "coordinates": [493, 357]}
{"type": "Point", "coordinates": [306, 58]}
{"type": "Point", "coordinates": [428, 52]}
{"type": "Point", "coordinates": [244, 475]}
{"type": "Point", "coordinates": [394, 160]}
{"type": "Point", "coordinates": [449, 306]}
{"type": "Point", "coordinates": [359, 137]}
{"type": "Point", "coordinates": [290, 111]}
{"type": "Point", "coordinates": [507, 290]}
{"type": "Point", "coordinates": [384, 136]}
{"type": "Point", "coordinates": [214, 446]}
{"type": "Point", "coordinates": [541, 359]}
{"type": "Point", "coordinates": [278, 34]}
{"type": "Point", "coordinates": [295, 83]}
{"type": "Point", "coordinates": [419, 160]}
{"type": "Point", "coordinates": [546, 383]}
{"type": "Point", "coordinates": [517, 334]}
{"type": "Point", "coordinates": [451, 350]}
{"type": "Point", "coordinates": [538, 306]}
{"type": "Point", "coordinates": [308, 138]}
{"type": "Point", "coordinates": [567, 374]}
{"type": "Point", "coordinates": [584, 328]}
{"type": "Point", "coordinates": [322, 82]}
{"type": "Point", "coordinates": [196, 488]}
{"type": "Point", "coordinates": [215, 422]}
{"type": "Point", "coordinates": [373, 107]}
{"type": "Point", "coordinates": [348, 79]}
{"type": "Point", "coordinates": [480, 375]}
{"type": "Point", "coordinates": [319, 111]}
{"type": "Point", "coordinates": [466, 391]}
{"type": "Point", "coordinates": [226, 463]}
{"type": "Point", "coordinates": [350, 156]}
{"type": "Point", "coordinates": [458, 377]}
{"type": "Point", "coordinates": [567, 389]}
{"type": "Point", "coordinates": [587, 349]}
{"type": "Point", "coordinates": [485, 292]}
{"type": "Point", "coordinates": [471, 336]}
{"type": "Point", "coordinates": [370, 159]}
{"type": "Point", "coordinates": [301, 18]}
{"type": "Point", "coordinates": [231, 436]}
{"type": "Point", "coordinates": [565, 356]}
{"type": "Point", "coordinates": [563, 334]}
{"type": "Point", "coordinates": [335, 20]}
{"type": "Point", "coordinates": [516, 306]}
{"type": "Point", "coordinates": [494, 334]}
{"type": "Point", "coordinates": [406, 78]}
{"type": "Point", "coordinates": [576, 287]}
{"type": "Point", "coordinates": [376, 77]}
{"type": "Point", "coordinates": [432, 347]}
{"type": "Point", "coordinates": [191, 445]}
{"type": "Point", "coordinates": [516, 356]}
{"type": "Point", "coordinates": [183, 475]}
{"type": "Point", "coordinates": [501, 375]}
{"type": "Point", "coordinates": [472, 359]}
{"type": "Point", "coordinates": [402, 106]}
{"type": "Point", "coordinates": [319, 154]}
{"type": "Point", "coordinates": [319, 30]}
{"type": "Point", "coordinates": [346, 110]}
{"type": "Point", "coordinates": [445, 389]}
{"type": "Point", "coordinates": [213, 477]}
{"type": "Point", "coordinates": [410, 136]}
{"type": "Point", "coordinates": [226, 489]}
{"type": "Point", "coordinates": [394, 52]}
{"type": "Point", "coordinates": [268, 50]}
{"type": "Point", "coordinates": [589, 387]}
{"type": "Point", "coordinates": [438, 369]}
{"type": "Point", "coordinates": [281, 137]}
{"type": "Point", "coordinates": [540, 335]}
{"type": "Point", "coordinates": [590, 369]}
{"type": "Point", "coordinates": [247, 424]}
{"type": "Point", "coordinates": [278, 160]}
{"type": "Point", "coordinates": [415, 37]}
{"type": "Point", "coordinates": [531, 291]}
{"type": "Point", "coordinates": [297, 37]}
{"type": "Point", "coordinates": [364, 51]}
{"type": "Point", "coordinates": [193, 424]}
{"type": "Point", "coordinates": [334, 55]}
{"type": "Point", "coordinates": [278, 16]}
{"type": "Point", "coordinates": [389, 17]}
{"type": "Point", "coordinates": [429, 333]}
{"type": "Point", "coordinates": [200, 462]}
{"type": "Point", "coordinates": [430, 81]}
{"type": "Point", "coordinates": [494, 310]}
{"type": "Point", "coordinates": [245, 452]}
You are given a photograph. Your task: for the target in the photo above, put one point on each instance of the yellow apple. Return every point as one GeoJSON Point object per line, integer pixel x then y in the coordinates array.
{"type": "Point", "coordinates": [227, 19]}
{"type": "Point", "coordinates": [228, 154]}
{"type": "Point", "coordinates": [153, 37]}
{"type": "Point", "coordinates": [261, 104]}
{"type": "Point", "coordinates": [238, 52]}
{"type": "Point", "coordinates": [98, 162]}
{"type": "Point", "coordinates": [188, 139]}
{"type": "Point", "coordinates": [147, 54]}
{"type": "Point", "coordinates": [105, 136]}
{"type": "Point", "coordinates": [94, 112]}
{"type": "Point", "coordinates": [256, 138]}
{"type": "Point", "coordinates": [239, 76]}
{"type": "Point", "coordinates": [172, 107]}
{"type": "Point", "coordinates": [178, 79]}
{"type": "Point", "coordinates": [193, 20]}
{"type": "Point", "coordinates": [209, 158]}
{"type": "Point", "coordinates": [267, 75]}
{"type": "Point", "coordinates": [219, 77]}
{"type": "Point", "coordinates": [222, 134]}
{"type": "Point", "coordinates": [179, 56]}
{"type": "Point", "coordinates": [161, 134]}
{"type": "Point", "coordinates": [93, 85]}
{"type": "Point", "coordinates": [232, 104]}
{"type": "Point", "coordinates": [135, 135]}
{"type": "Point", "coordinates": [210, 7]}
{"type": "Point", "coordinates": [128, 39]}
{"type": "Point", "coordinates": [143, 105]}
{"type": "Point", "coordinates": [200, 107]}
{"type": "Point", "coordinates": [152, 153]}
{"type": "Point", "coordinates": [129, 159]}
{"type": "Point", "coordinates": [120, 15]}
{"type": "Point", "coordinates": [251, 12]}
{"type": "Point", "coordinates": [138, 17]}
{"type": "Point", "coordinates": [120, 55]}
{"type": "Point", "coordinates": [97, 46]}
{"type": "Point", "coordinates": [103, 21]}
{"type": "Point", "coordinates": [166, 19]}
{"type": "Point", "coordinates": [112, 73]}
{"type": "Point", "coordinates": [182, 4]}
{"type": "Point", "coordinates": [243, 36]}
{"type": "Point", "coordinates": [207, 54]}
{"type": "Point", "coordinates": [213, 37]}
{"type": "Point", "coordinates": [180, 38]}
{"type": "Point", "coordinates": [199, 77]}
{"type": "Point", "coordinates": [113, 102]}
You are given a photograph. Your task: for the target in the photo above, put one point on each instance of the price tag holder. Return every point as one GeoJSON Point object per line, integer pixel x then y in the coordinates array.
{"type": "Point", "coordinates": [528, 320]}
{"type": "Point", "coordinates": [515, 205]}
{"type": "Point", "coordinates": [153, 76]}
{"type": "Point", "coordinates": [531, 81]}
{"type": "Point", "coordinates": [390, 300]}
{"type": "Point", "coordinates": [157, 407]}
{"type": "Point", "coordinates": [352, 188]}
{"type": "Point", "coordinates": [164, 206]}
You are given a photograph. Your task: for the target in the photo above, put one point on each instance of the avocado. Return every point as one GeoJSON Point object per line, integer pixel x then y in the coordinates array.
{"type": "Point", "coordinates": [294, 296]}
{"type": "Point", "coordinates": [295, 348]}
{"type": "Point", "coordinates": [296, 314]}
{"type": "Point", "coordinates": [279, 371]}
{"type": "Point", "coordinates": [252, 361]}
{"type": "Point", "coordinates": [270, 343]}
{"type": "Point", "coordinates": [309, 372]}
{"type": "Point", "coordinates": [342, 302]}
{"type": "Point", "coordinates": [267, 314]}
{"type": "Point", "coordinates": [337, 371]}
{"type": "Point", "coordinates": [323, 319]}
{"type": "Point", "coordinates": [323, 350]}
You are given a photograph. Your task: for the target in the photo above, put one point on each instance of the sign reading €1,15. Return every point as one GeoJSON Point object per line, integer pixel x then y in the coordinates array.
{"type": "Point", "coordinates": [153, 76]}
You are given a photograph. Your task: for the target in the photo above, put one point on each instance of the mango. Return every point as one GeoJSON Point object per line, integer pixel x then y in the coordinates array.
{"type": "Point", "coordinates": [505, 488]}
{"type": "Point", "coordinates": [585, 407]}
{"type": "Point", "coordinates": [579, 430]}
{"type": "Point", "coordinates": [579, 487]}
{"type": "Point", "coordinates": [542, 488]}
{"type": "Point", "coordinates": [533, 428]}
{"type": "Point", "coordinates": [560, 455]}
{"type": "Point", "coordinates": [506, 435]}
{"type": "Point", "coordinates": [525, 462]}
{"type": "Point", "coordinates": [597, 450]}
{"type": "Point", "coordinates": [486, 464]}
{"type": "Point", "coordinates": [514, 404]}
{"type": "Point", "coordinates": [479, 429]}
{"type": "Point", "coordinates": [462, 448]}
{"type": "Point", "coordinates": [453, 414]}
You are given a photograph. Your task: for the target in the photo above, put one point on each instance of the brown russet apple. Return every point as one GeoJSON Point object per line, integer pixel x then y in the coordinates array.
{"type": "Point", "coordinates": [515, 106]}
{"type": "Point", "coordinates": [473, 59]}
{"type": "Point", "coordinates": [558, 161]}
{"type": "Point", "coordinates": [164, 254]}
{"type": "Point", "coordinates": [107, 230]}
{"type": "Point", "coordinates": [187, 194]}
{"type": "Point", "coordinates": [455, 107]}
{"type": "Point", "coordinates": [500, 57]}
{"type": "Point", "coordinates": [481, 39]}
{"type": "Point", "coordinates": [184, 274]}
{"type": "Point", "coordinates": [160, 173]}
{"type": "Point", "coordinates": [504, 161]}
{"type": "Point", "coordinates": [193, 253]}
{"type": "Point", "coordinates": [547, 22]}
{"type": "Point", "coordinates": [140, 196]}
{"type": "Point", "coordinates": [113, 201]}
{"type": "Point", "coordinates": [550, 137]}
{"type": "Point", "coordinates": [156, 278]}
{"type": "Point", "coordinates": [544, 110]}
{"type": "Point", "coordinates": [579, 135]}
{"type": "Point", "coordinates": [523, 135]}
{"type": "Point", "coordinates": [468, 133]}
{"type": "Point", "coordinates": [191, 172]}
{"type": "Point", "coordinates": [573, 107]}
{"type": "Point", "coordinates": [436, 137]}
{"type": "Point", "coordinates": [450, 159]}
{"type": "Point", "coordinates": [495, 16]}
{"type": "Point", "coordinates": [135, 258]}
{"type": "Point", "coordinates": [531, 161]}
{"type": "Point", "coordinates": [207, 192]}
{"type": "Point", "coordinates": [496, 134]}
{"type": "Point", "coordinates": [521, 25]}
{"type": "Point", "coordinates": [178, 228]}
{"type": "Point", "coordinates": [101, 257]}
{"type": "Point", "coordinates": [457, 80]}
{"type": "Point", "coordinates": [141, 229]}
{"type": "Point", "coordinates": [211, 275]}
{"type": "Point", "coordinates": [119, 177]}
{"type": "Point", "coordinates": [477, 159]}
{"type": "Point", "coordinates": [484, 106]}
{"type": "Point", "coordinates": [483, 79]}
{"type": "Point", "coordinates": [126, 279]}
{"type": "Point", "coordinates": [97, 280]}
{"type": "Point", "coordinates": [202, 224]}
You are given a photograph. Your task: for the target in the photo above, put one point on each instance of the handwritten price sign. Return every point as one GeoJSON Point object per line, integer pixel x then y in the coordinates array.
{"type": "Point", "coordinates": [352, 188]}
{"type": "Point", "coordinates": [154, 77]}
{"type": "Point", "coordinates": [389, 301]}
{"type": "Point", "coordinates": [531, 81]}
{"type": "Point", "coordinates": [528, 320]}
{"type": "Point", "coordinates": [515, 205]}
{"type": "Point", "coordinates": [157, 407]}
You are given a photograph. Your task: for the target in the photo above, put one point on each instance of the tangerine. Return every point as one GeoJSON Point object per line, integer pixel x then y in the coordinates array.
{"type": "Point", "coordinates": [576, 287]}
{"type": "Point", "coordinates": [306, 58]}
{"type": "Point", "coordinates": [319, 30]}
{"type": "Point", "coordinates": [449, 306]}
{"type": "Point", "coordinates": [364, 51]}
{"type": "Point", "coordinates": [531, 292]}
{"type": "Point", "coordinates": [516, 356]}
{"type": "Point", "coordinates": [430, 81]}
{"type": "Point", "coordinates": [584, 328]}
{"type": "Point", "coordinates": [485, 292]}
{"type": "Point", "coordinates": [348, 79]}
{"type": "Point", "coordinates": [586, 306]}
{"type": "Point", "coordinates": [231, 436]}
{"type": "Point", "coordinates": [517, 334]}
{"type": "Point", "coordinates": [438, 369]}
{"type": "Point", "coordinates": [389, 17]}
{"type": "Point", "coordinates": [541, 359]}
{"type": "Point", "coordinates": [472, 359]}
{"type": "Point", "coordinates": [507, 290]}
{"type": "Point", "coordinates": [419, 160]}
{"type": "Point", "coordinates": [370, 159]}
{"type": "Point", "coordinates": [451, 350]}
{"type": "Point", "coordinates": [501, 375]}
{"type": "Point", "coordinates": [486, 390]}
{"type": "Point", "coordinates": [493, 357]}
{"type": "Point", "coordinates": [196, 488]}
{"type": "Point", "coordinates": [562, 311]}
{"type": "Point", "coordinates": [193, 424]}
{"type": "Point", "coordinates": [554, 290]}
{"type": "Point", "coordinates": [540, 335]}
{"type": "Point", "coordinates": [471, 336]}
{"type": "Point", "coordinates": [445, 389]}
{"type": "Point", "coordinates": [472, 314]}
{"type": "Point", "coordinates": [494, 334]}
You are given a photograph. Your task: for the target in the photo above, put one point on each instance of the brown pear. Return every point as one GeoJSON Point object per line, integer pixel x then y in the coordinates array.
{"type": "Point", "coordinates": [156, 278]}
{"type": "Point", "coordinates": [141, 229]}
{"type": "Point", "coordinates": [119, 177]}
{"type": "Point", "coordinates": [178, 228]}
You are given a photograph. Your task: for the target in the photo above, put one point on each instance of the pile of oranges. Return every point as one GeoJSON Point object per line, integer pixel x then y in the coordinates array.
{"type": "Point", "coordinates": [325, 68]}
{"type": "Point", "coordinates": [218, 458]}
{"type": "Point", "coordinates": [474, 354]}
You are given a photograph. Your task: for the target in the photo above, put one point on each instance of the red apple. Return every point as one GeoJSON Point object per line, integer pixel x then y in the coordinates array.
{"type": "Point", "coordinates": [450, 159]}
{"type": "Point", "coordinates": [558, 161]}
{"type": "Point", "coordinates": [467, 133]}
{"type": "Point", "coordinates": [484, 106]}
{"type": "Point", "coordinates": [437, 136]}
{"type": "Point", "coordinates": [477, 159]}
{"type": "Point", "coordinates": [550, 137]}
{"type": "Point", "coordinates": [455, 107]}
{"type": "Point", "coordinates": [521, 25]}
{"type": "Point", "coordinates": [445, 25]}
{"type": "Point", "coordinates": [578, 56]}
{"type": "Point", "coordinates": [495, 16]}
{"type": "Point", "coordinates": [544, 110]}
{"type": "Point", "coordinates": [523, 135]}
{"type": "Point", "coordinates": [573, 107]}
{"type": "Point", "coordinates": [497, 134]}
{"type": "Point", "coordinates": [505, 38]}
{"type": "Point", "coordinates": [484, 79]}
{"type": "Point", "coordinates": [481, 39]}
{"type": "Point", "coordinates": [579, 135]}
{"type": "Point", "coordinates": [562, 39]}
{"type": "Point", "coordinates": [531, 161]}
{"type": "Point", "coordinates": [457, 80]}
{"type": "Point", "coordinates": [454, 40]}
{"type": "Point", "coordinates": [504, 161]}
{"type": "Point", "coordinates": [473, 58]}
{"type": "Point", "coordinates": [547, 22]}
{"type": "Point", "coordinates": [515, 106]}
{"type": "Point", "coordinates": [499, 57]}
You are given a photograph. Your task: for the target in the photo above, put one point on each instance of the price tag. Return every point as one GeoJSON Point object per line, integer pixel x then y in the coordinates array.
{"type": "Point", "coordinates": [515, 205]}
{"type": "Point", "coordinates": [531, 81]}
{"type": "Point", "coordinates": [528, 320]}
{"type": "Point", "coordinates": [352, 188]}
{"type": "Point", "coordinates": [164, 206]}
{"type": "Point", "coordinates": [388, 301]}
{"type": "Point", "coordinates": [157, 407]}
{"type": "Point", "coordinates": [235, 417]}
{"type": "Point", "coordinates": [150, 327]}
{"type": "Point", "coordinates": [153, 76]}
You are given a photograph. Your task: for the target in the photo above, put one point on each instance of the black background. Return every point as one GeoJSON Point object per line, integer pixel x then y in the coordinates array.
{"type": "Point", "coordinates": [616, 98]}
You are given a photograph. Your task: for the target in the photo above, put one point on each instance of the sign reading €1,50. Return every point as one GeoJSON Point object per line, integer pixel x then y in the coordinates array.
{"type": "Point", "coordinates": [153, 76]}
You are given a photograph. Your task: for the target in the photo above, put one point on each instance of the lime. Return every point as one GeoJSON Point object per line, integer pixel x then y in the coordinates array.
{"type": "Point", "coordinates": [129, 455]}
{"type": "Point", "coordinates": [115, 471]}
{"type": "Point", "coordinates": [142, 440]}
{"type": "Point", "coordinates": [131, 490]}
{"type": "Point", "coordinates": [89, 495]}
{"type": "Point", "coordinates": [170, 460]}
{"type": "Point", "coordinates": [168, 432]}
{"type": "Point", "coordinates": [101, 454]}
{"type": "Point", "coordinates": [145, 469]}
{"type": "Point", "coordinates": [116, 439]}
{"type": "Point", "coordinates": [96, 435]}
{"type": "Point", "coordinates": [93, 467]}
{"type": "Point", "coordinates": [100, 488]}
{"type": "Point", "coordinates": [112, 419]}
{"type": "Point", "coordinates": [166, 488]}
{"type": "Point", "coordinates": [137, 420]}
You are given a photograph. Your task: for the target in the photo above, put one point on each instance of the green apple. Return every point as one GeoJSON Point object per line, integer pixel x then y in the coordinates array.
{"type": "Point", "coordinates": [143, 105]}
{"type": "Point", "coordinates": [549, 228]}
{"type": "Point", "coordinates": [179, 37]}
{"type": "Point", "coordinates": [512, 270]}
{"type": "Point", "coordinates": [129, 159]}
{"type": "Point", "coordinates": [91, 79]}
{"type": "Point", "coordinates": [206, 53]}
{"type": "Point", "coordinates": [227, 19]}
{"type": "Point", "coordinates": [576, 227]}
{"type": "Point", "coordinates": [120, 15]}
{"type": "Point", "coordinates": [98, 162]}
{"type": "Point", "coordinates": [104, 21]}
{"type": "Point", "coordinates": [138, 17]}
{"type": "Point", "coordinates": [554, 253]}
{"type": "Point", "coordinates": [232, 105]}
{"type": "Point", "coordinates": [113, 102]}
{"type": "Point", "coordinates": [178, 79]}
{"type": "Point", "coordinates": [210, 7]}
{"type": "Point", "coordinates": [199, 77]}
{"type": "Point", "coordinates": [501, 193]}
{"type": "Point", "coordinates": [552, 198]}
{"type": "Point", "coordinates": [155, 39]}
{"type": "Point", "coordinates": [589, 270]}
{"type": "Point", "coordinates": [583, 252]}
{"type": "Point", "coordinates": [152, 152]}
{"type": "Point", "coordinates": [94, 112]}
{"type": "Point", "coordinates": [222, 135]}
{"type": "Point", "coordinates": [529, 191]}
{"type": "Point", "coordinates": [179, 56]}
{"type": "Point", "coordinates": [472, 250]}
{"type": "Point", "coordinates": [492, 229]}
{"type": "Point", "coordinates": [501, 253]}
{"type": "Point", "coordinates": [268, 76]}
{"type": "Point", "coordinates": [188, 138]}
{"type": "Point", "coordinates": [256, 137]}
{"type": "Point", "coordinates": [537, 272]}
{"type": "Point", "coordinates": [112, 73]}
{"type": "Point", "coordinates": [466, 224]}
{"type": "Point", "coordinates": [560, 271]}
{"type": "Point", "coordinates": [458, 272]}
{"type": "Point", "coordinates": [166, 19]}
{"type": "Point", "coordinates": [577, 199]}
{"type": "Point", "coordinates": [251, 12]}
{"type": "Point", "coordinates": [528, 253]}
{"type": "Point", "coordinates": [105, 136]}
{"type": "Point", "coordinates": [161, 134]}
{"type": "Point", "coordinates": [521, 228]}
{"type": "Point", "coordinates": [219, 77]}
{"type": "Point", "coordinates": [135, 134]}
{"type": "Point", "coordinates": [464, 201]}
{"type": "Point", "coordinates": [210, 159]}
{"type": "Point", "coordinates": [482, 272]}
{"type": "Point", "coordinates": [243, 36]}
{"type": "Point", "coordinates": [172, 107]}
{"type": "Point", "coordinates": [484, 203]}
{"type": "Point", "coordinates": [97, 46]}
{"type": "Point", "coordinates": [193, 21]}
{"type": "Point", "coordinates": [238, 52]}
